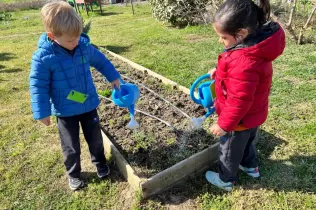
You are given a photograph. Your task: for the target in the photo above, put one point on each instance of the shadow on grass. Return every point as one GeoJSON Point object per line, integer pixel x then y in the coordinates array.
{"type": "Point", "coordinates": [116, 49]}
{"type": "Point", "coordinates": [104, 13]}
{"type": "Point", "coordinates": [115, 175]}
{"type": "Point", "coordinates": [294, 174]}
{"type": "Point", "coordinates": [6, 57]}
{"type": "Point", "coordinates": [9, 70]}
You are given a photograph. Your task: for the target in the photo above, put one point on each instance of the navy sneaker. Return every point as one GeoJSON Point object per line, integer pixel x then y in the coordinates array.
{"type": "Point", "coordinates": [103, 172]}
{"type": "Point", "coordinates": [75, 183]}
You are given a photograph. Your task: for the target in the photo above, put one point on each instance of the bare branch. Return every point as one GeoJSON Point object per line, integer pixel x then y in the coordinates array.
{"type": "Point", "coordinates": [289, 24]}
{"type": "Point", "coordinates": [310, 18]}
{"type": "Point", "coordinates": [300, 37]}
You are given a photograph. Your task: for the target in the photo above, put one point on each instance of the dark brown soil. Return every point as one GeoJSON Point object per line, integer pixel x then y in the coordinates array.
{"type": "Point", "coordinates": [154, 146]}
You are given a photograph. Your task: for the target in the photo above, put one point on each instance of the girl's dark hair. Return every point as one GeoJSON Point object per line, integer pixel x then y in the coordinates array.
{"type": "Point", "coordinates": [234, 15]}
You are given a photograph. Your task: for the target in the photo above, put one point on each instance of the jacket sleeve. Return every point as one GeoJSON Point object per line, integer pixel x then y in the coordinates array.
{"type": "Point", "coordinates": [241, 85]}
{"type": "Point", "coordinates": [102, 64]}
{"type": "Point", "coordinates": [40, 89]}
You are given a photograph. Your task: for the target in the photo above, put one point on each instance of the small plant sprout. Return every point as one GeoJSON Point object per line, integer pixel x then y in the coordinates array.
{"type": "Point", "coordinates": [106, 92]}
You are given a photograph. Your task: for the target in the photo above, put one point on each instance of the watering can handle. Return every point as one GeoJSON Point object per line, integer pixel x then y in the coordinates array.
{"type": "Point", "coordinates": [196, 82]}
{"type": "Point", "coordinates": [122, 82]}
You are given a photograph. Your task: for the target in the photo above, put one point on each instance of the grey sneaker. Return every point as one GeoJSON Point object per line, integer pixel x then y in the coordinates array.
{"type": "Point", "coordinates": [103, 172]}
{"type": "Point", "coordinates": [75, 183]}
{"type": "Point", "coordinates": [214, 179]}
{"type": "Point", "coordinates": [253, 172]}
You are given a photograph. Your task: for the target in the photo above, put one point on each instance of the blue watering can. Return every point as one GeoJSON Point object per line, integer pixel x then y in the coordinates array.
{"type": "Point", "coordinates": [206, 96]}
{"type": "Point", "coordinates": [126, 97]}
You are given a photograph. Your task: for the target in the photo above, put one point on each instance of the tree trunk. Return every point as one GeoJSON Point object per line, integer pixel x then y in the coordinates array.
{"type": "Point", "coordinates": [289, 24]}
{"type": "Point", "coordinates": [299, 41]}
{"type": "Point", "coordinates": [132, 7]}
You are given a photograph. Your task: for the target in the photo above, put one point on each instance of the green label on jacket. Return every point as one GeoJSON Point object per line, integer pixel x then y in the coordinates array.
{"type": "Point", "coordinates": [77, 96]}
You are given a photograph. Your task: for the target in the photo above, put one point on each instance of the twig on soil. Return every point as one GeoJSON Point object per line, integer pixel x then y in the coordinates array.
{"type": "Point", "coordinates": [156, 94]}
{"type": "Point", "coordinates": [145, 113]}
{"type": "Point", "coordinates": [152, 116]}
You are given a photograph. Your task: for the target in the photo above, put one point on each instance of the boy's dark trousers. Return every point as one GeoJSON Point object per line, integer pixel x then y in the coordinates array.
{"type": "Point", "coordinates": [69, 134]}
{"type": "Point", "coordinates": [236, 148]}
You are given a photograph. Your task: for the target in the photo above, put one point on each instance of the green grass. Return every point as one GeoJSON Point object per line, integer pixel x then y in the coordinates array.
{"type": "Point", "coordinates": [32, 173]}
{"type": "Point", "coordinates": [14, 1]}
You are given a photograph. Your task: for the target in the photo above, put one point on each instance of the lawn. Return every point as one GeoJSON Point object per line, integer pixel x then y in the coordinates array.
{"type": "Point", "coordinates": [31, 164]}
{"type": "Point", "coordinates": [14, 1]}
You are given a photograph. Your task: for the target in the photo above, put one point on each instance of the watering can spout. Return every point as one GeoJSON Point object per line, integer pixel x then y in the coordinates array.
{"type": "Point", "coordinates": [132, 124]}
{"type": "Point", "coordinates": [126, 97]}
{"type": "Point", "coordinates": [205, 97]}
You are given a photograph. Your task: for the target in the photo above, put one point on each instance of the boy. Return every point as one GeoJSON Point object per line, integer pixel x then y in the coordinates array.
{"type": "Point", "coordinates": [61, 85]}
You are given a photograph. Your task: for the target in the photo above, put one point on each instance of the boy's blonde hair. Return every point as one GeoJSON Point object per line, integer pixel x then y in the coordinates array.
{"type": "Point", "coordinates": [60, 18]}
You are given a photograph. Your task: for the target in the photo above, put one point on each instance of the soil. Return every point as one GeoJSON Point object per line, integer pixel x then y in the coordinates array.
{"type": "Point", "coordinates": [154, 146]}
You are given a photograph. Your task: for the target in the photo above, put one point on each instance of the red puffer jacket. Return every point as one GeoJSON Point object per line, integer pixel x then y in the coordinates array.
{"type": "Point", "coordinates": [244, 76]}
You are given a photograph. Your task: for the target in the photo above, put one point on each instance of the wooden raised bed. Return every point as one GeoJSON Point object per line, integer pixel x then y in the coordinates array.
{"type": "Point", "coordinates": [163, 180]}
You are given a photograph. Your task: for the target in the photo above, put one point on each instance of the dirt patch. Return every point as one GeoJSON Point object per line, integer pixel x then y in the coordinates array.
{"type": "Point", "coordinates": [154, 146]}
{"type": "Point", "coordinates": [128, 197]}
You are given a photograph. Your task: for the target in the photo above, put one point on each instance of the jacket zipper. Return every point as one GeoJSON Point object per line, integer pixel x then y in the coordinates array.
{"type": "Point", "coordinates": [77, 75]}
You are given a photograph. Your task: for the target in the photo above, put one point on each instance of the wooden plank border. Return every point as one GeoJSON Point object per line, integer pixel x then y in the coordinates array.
{"type": "Point", "coordinates": [151, 73]}
{"type": "Point", "coordinates": [123, 166]}
{"type": "Point", "coordinates": [179, 171]}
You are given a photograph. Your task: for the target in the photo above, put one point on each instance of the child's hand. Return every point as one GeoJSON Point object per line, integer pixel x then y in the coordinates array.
{"type": "Point", "coordinates": [217, 131]}
{"type": "Point", "coordinates": [46, 121]}
{"type": "Point", "coordinates": [116, 83]}
{"type": "Point", "coordinates": [212, 73]}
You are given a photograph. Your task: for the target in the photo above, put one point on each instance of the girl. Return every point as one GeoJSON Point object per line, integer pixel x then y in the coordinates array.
{"type": "Point", "coordinates": [243, 80]}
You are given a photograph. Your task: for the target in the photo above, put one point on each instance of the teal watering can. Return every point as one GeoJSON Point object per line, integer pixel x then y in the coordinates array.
{"type": "Point", "coordinates": [126, 97]}
{"type": "Point", "coordinates": [205, 97]}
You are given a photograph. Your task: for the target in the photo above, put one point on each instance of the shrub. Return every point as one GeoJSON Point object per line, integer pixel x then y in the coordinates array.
{"type": "Point", "coordinates": [181, 12]}
{"type": "Point", "coordinates": [5, 16]}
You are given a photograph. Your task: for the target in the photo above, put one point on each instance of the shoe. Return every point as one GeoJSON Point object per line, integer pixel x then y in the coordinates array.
{"type": "Point", "coordinates": [103, 172]}
{"type": "Point", "coordinates": [253, 172]}
{"type": "Point", "coordinates": [214, 179]}
{"type": "Point", "coordinates": [75, 183]}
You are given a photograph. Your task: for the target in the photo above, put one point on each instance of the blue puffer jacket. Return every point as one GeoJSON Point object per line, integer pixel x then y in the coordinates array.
{"type": "Point", "coordinates": [54, 73]}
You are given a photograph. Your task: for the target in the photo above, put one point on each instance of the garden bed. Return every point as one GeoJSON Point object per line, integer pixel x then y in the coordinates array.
{"type": "Point", "coordinates": [154, 146]}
